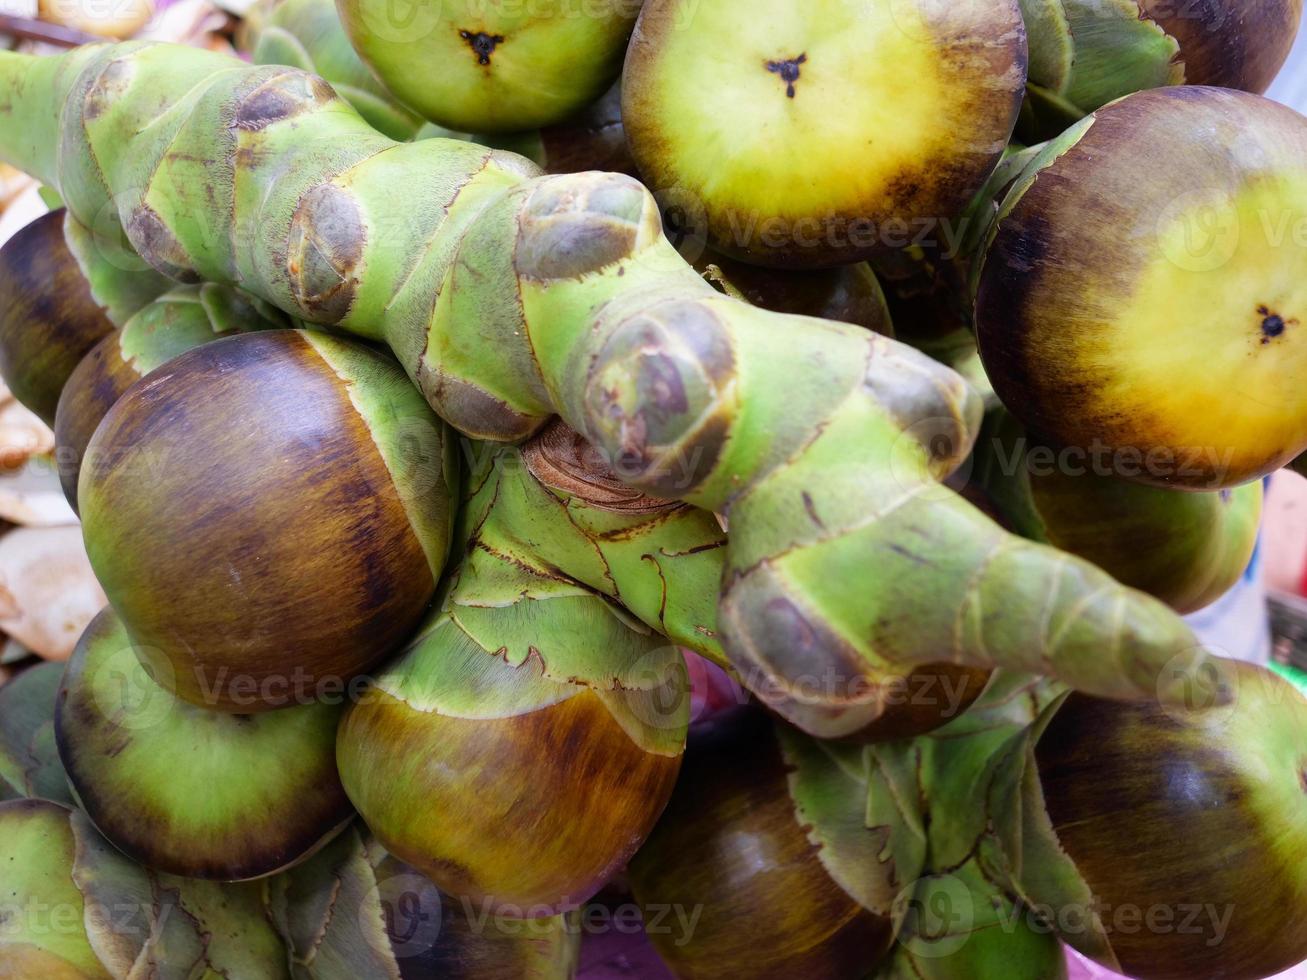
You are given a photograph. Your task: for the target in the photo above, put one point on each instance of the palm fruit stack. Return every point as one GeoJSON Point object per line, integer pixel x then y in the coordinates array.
{"type": "Point", "coordinates": [440, 389]}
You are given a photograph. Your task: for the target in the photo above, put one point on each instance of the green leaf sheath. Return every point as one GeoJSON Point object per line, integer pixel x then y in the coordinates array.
{"type": "Point", "coordinates": [511, 297]}
{"type": "Point", "coordinates": [963, 916]}
{"type": "Point", "coordinates": [661, 560]}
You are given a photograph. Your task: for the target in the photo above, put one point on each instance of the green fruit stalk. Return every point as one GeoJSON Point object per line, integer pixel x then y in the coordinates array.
{"type": "Point", "coordinates": [79, 910]}
{"type": "Point", "coordinates": [181, 319]}
{"type": "Point", "coordinates": [355, 911]}
{"type": "Point", "coordinates": [288, 536]}
{"type": "Point", "coordinates": [1187, 549]}
{"type": "Point", "coordinates": [532, 703]}
{"type": "Point", "coordinates": [1086, 53]}
{"type": "Point", "coordinates": [1213, 802]}
{"type": "Point", "coordinates": [1174, 350]}
{"type": "Point", "coordinates": [928, 94]}
{"type": "Point", "coordinates": [510, 298]}
{"type": "Point", "coordinates": [492, 68]}
{"type": "Point", "coordinates": [188, 790]}
{"type": "Point", "coordinates": [558, 506]}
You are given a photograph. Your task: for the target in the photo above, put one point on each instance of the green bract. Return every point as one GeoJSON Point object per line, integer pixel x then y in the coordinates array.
{"type": "Point", "coordinates": [29, 758]}
{"type": "Point", "coordinates": [354, 911]}
{"type": "Point", "coordinates": [530, 701]}
{"type": "Point", "coordinates": [1085, 53]}
{"type": "Point", "coordinates": [77, 909]}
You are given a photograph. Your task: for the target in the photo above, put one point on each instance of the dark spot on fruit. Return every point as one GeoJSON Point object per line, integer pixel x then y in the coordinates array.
{"type": "Point", "coordinates": [1226, 496]}
{"type": "Point", "coordinates": [1302, 779]}
{"type": "Point", "coordinates": [482, 44]}
{"type": "Point", "coordinates": [1273, 326]}
{"type": "Point", "coordinates": [789, 71]}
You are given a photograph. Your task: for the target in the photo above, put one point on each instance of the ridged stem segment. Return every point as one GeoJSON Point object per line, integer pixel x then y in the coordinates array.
{"type": "Point", "coordinates": [510, 298]}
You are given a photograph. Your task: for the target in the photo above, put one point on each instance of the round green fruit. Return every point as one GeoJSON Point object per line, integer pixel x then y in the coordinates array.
{"type": "Point", "coordinates": [1186, 828]}
{"type": "Point", "coordinates": [492, 67]}
{"type": "Point", "coordinates": [732, 848]}
{"type": "Point", "coordinates": [269, 514]}
{"type": "Point", "coordinates": [1187, 549]}
{"type": "Point", "coordinates": [1141, 296]}
{"type": "Point", "coordinates": [48, 318]}
{"type": "Point", "coordinates": [193, 792]}
{"type": "Point", "coordinates": [824, 133]}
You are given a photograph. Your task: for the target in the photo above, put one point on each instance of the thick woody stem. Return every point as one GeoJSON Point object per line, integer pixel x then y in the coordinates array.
{"type": "Point", "coordinates": [511, 298]}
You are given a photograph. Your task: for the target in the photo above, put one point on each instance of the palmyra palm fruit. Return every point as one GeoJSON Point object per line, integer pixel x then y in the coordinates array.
{"type": "Point", "coordinates": [849, 293]}
{"type": "Point", "coordinates": [79, 910]}
{"type": "Point", "coordinates": [29, 759]}
{"type": "Point", "coordinates": [1086, 53]}
{"type": "Point", "coordinates": [511, 298]}
{"type": "Point", "coordinates": [179, 320]}
{"type": "Point", "coordinates": [1187, 549]}
{"type": "Point", "coordinates": [1212, 800]}
{"type": "Point", "coordinates": [194, 792]}
{"type": "Point", "coordinates": [494, 68]}
{"type": "Point", "coordinates": [263, 562]}
{"type": "Point", "coordinates": [530, 702]}
{"type": "Point", "coordinates": [1175, 348]}
{"type": "Point", "coordinates": [355, 911]}
{"type": "Point", "coordinates": [747, 839]}
{"type": "Point", "coordinates": [48, 319]}
{"type": "Point", "coordinates": [930, 90]}
{"type": "Point", "coordinates": [60, 294]}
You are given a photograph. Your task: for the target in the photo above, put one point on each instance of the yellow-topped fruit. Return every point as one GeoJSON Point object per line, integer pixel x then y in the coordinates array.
{"type": "Point", "coordinates": [820, 133]}
{"type": "Point", "coordinates": [1144, 293]}
{"type": "Point", "coordinates": [498, 67]}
